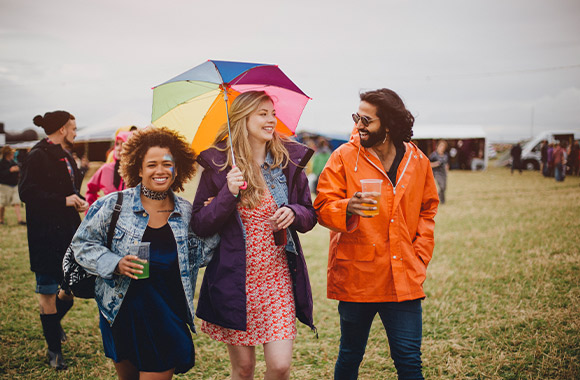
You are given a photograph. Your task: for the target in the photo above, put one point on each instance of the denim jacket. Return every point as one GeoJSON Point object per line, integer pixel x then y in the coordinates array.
{"type": "Point", "coordinates": [89, 246]}
{"type": "Point", "coordinates": [276, 182]}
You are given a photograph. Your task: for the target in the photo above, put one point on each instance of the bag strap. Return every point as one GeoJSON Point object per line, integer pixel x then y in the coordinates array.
{"type": "Point", "coordinates": [114, 218]}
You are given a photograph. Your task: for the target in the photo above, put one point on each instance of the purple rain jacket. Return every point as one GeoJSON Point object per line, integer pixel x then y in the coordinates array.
{"type": "Point", "coordinates": [222, 299]}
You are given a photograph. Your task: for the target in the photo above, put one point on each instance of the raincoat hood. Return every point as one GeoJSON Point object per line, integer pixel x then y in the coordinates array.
{"type": "Point", "coordinates": [121, 136]}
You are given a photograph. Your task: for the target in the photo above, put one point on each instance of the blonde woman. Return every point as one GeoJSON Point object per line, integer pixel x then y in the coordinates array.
{"type": "Point", "coordinates": [253, 289]}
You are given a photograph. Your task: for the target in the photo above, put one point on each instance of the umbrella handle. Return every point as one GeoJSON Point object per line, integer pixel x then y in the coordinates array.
{"type": "Point", "coordinates": [245, 184]}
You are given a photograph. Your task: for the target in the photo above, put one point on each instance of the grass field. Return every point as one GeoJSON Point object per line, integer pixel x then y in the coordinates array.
{"type": "Point", "coordinates": [503, 295]}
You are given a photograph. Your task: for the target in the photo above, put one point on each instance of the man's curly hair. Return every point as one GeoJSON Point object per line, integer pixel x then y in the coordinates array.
{"type": "Point", "coordinates": [135, 148]}
{"type": "Point", "coordinates": [392, 113]}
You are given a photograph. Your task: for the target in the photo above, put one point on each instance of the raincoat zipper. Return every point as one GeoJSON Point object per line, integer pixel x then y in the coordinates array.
{"type": "Point", "coordinates": [382, 171]}
{"type": "Point", "coordinates": [402, 173]}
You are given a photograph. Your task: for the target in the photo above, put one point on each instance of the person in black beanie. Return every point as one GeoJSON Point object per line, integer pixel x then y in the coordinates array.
{"type": "Point", "coordinates": [50, 187]}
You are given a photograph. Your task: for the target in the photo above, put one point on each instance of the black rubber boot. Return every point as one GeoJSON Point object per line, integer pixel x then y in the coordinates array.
{"type": "Point", "coordinates": [62, 307]}
{"type": "Point", "coordinates": [56, 360]}
{"type": "Point", "coordinates": [52, 333]}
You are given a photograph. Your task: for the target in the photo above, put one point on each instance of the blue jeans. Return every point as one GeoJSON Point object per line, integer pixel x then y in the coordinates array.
{"type": "Point", "coordinates": [560, 172]}
{"type": "Point", "coordinates": [403, 323]}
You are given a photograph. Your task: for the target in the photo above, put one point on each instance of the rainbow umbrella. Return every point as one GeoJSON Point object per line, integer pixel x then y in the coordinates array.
{"type": "Point", "coordinates": [196, 102]}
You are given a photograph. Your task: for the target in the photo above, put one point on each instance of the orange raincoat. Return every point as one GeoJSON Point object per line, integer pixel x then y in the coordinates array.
{"type": "Point", "coordinates": [384, 258]}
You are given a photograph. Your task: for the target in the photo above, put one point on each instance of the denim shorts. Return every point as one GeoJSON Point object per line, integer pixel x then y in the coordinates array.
{"type": "Point", "coordinates": [48, 283]}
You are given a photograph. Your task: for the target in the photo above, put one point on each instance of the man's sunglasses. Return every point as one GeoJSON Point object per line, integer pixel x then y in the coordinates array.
{"type": "Point", "coordinates": [364, 119]}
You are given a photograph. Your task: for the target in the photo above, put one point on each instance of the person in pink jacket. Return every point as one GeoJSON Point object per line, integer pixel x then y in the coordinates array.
{"type": "Point", "coordinates": [107, 178]}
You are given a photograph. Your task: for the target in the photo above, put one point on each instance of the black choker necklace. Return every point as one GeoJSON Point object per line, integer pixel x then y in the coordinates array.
{"type": "Point", "coordinates": [155, 195]}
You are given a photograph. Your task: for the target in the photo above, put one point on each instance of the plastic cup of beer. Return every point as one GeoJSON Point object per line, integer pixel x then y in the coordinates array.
{"type": "Point", "coordinates": [372, 186]}
{"type": "Point", "coordinates": [142, 252]}
{"type": "Point", "coordinates": [279, 234]}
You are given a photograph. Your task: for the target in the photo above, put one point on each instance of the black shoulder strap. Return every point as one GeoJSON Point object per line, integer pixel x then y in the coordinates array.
{"type": "Point", "coordinates": [114, 218]}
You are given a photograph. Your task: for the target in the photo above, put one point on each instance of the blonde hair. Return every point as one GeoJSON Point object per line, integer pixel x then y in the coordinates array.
{"type": "Point", "coordinates": [241, 108]}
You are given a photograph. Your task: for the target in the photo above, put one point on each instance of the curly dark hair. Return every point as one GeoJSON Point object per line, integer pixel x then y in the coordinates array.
{"type": "Point", "coordinates": [392, 113]}
{"type": "Point", "coordinates": [135, 148]}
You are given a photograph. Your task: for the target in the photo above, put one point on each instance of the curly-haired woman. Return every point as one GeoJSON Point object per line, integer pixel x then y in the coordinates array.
{"type": "Point", "coordinates": [256, 286]}
{"type": "Point", "coordinates": [144, 322]}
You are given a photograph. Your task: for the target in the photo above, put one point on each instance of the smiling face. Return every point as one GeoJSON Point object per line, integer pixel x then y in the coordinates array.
{"type": "Point", "coordinates": [262, 122]}
{"type": "Point", "coordinates": [158, 169]}
{"type": "Point", "coordinates": [374, 134]}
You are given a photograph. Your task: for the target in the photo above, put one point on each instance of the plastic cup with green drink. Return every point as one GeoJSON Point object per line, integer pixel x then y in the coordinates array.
{"type": "Point", "coordinates": [142, 252]}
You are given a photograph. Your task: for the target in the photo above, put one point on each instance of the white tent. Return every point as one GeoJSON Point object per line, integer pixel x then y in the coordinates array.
{"type": "Point", "coordinates": [105, 129]}
{"type": "Point", "coordinates": [445, 131]}
{"type": "Point", "coordinates": [452, 132]}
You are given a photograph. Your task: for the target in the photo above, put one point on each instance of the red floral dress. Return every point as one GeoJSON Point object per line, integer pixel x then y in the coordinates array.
{"type": "Point", "coordinates": [271, 313]}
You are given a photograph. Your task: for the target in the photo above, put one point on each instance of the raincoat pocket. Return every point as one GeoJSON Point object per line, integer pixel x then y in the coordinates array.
{"type": "Point", "coordinates": [355, 252]}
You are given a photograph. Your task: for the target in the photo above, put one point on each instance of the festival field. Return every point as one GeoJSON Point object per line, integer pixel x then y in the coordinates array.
{"type": "Point", "coordinates": [503, 295]}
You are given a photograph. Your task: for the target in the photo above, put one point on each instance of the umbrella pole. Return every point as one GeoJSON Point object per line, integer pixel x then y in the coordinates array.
{"type": "Point", "coordinates": [229, 128]}
{"type": "Point", "coordinates": [245, 184]}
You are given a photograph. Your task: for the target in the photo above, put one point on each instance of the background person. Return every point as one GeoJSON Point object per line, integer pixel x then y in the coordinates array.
{"type": "Point", "coordinates": [560, 157]}
{"type": "Point", "coordinates": [463, 155]}
{"type": "Point", "coordinates": [516, 153]}
{"type": "Point", "coordinates": [111, 151]}
{"type": "Point", "coordinates": [544, 158]}
{"type": "Point", "coordinates": [477, 161]}
{"type": "Point", "coordinates": [254, 289]}
{"type": "Point", "coordinates": [82, 162]}
{"type": "Point", "coordinates": [440, 165]}
{"type": "Point", "coordinates": [107, 178]}
{"type": "Point", "coordinates": [551, 148]}
{"type": "Point", "coordinates": [144, 322]}
{"type": "Point", "coordinates": [319, 158]}
{"type": "Point", "coordinates": [379, 264]}
{"type": "Point", "coordinates": [574, 158]}
{"type": "Point", "coordinates": [9, 172]}
{"type": "Point", "coordinates": [49, 185]}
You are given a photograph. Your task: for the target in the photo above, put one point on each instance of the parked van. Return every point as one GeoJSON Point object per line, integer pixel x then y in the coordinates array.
{"type": "Point", "coordinates": [531, 151]}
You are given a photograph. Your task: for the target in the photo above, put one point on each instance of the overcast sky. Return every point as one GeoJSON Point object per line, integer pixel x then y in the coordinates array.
{"type": "Point", "coordinates": [512, 67]}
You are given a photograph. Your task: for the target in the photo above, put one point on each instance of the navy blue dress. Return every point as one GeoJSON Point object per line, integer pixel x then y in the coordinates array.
{"type": "Point", "coordinates": [151, 330]}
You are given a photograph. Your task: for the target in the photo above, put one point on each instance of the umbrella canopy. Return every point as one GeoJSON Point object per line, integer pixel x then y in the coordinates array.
{"type": "Point", "coordinates": [194, 103]}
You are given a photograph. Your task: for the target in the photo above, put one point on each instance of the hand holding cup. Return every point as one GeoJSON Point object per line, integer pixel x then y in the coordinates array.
{"type": "Point", "coordinates": [366, 203]}
{"type": "Point", "coordinates": [130, 266]}
{"type": "Point", "coordinates": [282, 219]}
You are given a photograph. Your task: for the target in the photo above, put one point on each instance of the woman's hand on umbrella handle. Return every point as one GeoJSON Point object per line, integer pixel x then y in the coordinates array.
{"type": "Point", "coordinates": [235, 181]}
{"type": "Point", "coordinates": [244, 185]}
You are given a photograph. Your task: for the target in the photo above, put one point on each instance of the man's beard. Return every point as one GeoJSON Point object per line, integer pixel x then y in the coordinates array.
{"type": "Point", "coordinates": [67, 145]}
{"type": "Point", "coordinates": [374, 138]}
